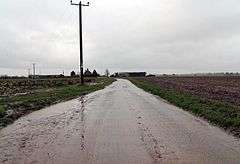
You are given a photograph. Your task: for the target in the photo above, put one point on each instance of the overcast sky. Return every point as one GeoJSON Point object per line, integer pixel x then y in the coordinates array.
{"type": "Point", "coordinates": [157, 36]}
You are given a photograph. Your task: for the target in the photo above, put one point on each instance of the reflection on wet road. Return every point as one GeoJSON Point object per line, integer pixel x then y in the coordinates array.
{"type": "Point", "coordinates": [120, 124]}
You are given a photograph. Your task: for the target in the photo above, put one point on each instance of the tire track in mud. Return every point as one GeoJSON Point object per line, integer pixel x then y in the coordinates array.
{"type": "Point", "coordinates": [82, 116]}
{"type": "Point", "coordinates": [150, 142]}
{"type": "Point", "coordinates": [157, 151]}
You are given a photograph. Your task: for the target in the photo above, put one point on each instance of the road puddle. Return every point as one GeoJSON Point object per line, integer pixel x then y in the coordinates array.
{"type": "Point", "coordinates": [120, 124]}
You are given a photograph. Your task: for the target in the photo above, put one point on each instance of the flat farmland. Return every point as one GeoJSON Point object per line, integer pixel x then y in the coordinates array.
{"type": "Point", "coordinates": [25, 85]}
{"type": "Point", "coordinates": [19, 97]}
{"type": "Point", "coordinates": [224, 89]}
{"type": "Point", "coordinates": [215, 98]}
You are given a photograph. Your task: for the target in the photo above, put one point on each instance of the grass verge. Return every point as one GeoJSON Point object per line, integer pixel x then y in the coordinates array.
{"type": "Point", "coordinates": [2, 108]}
{"type": "Point", "coordinates": [222, 114]}
{"type": "Point", "coordinates": [13, 107]}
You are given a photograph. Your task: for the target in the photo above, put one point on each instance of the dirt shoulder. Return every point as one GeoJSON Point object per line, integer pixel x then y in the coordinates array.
{"type": "Point", "coordinates": [14, 106]}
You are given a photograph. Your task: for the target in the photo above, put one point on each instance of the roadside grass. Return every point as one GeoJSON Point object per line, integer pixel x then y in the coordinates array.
{"type": "Point", "coordinates": [222, 114]}
{"type": "Point", "coordinates": [2, 109]}
{"type": "Point", "coordinates": [38, 99]}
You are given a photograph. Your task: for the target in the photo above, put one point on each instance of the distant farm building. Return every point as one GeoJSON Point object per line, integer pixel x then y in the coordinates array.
{"type": "Point", "coordinates": [130, 74]}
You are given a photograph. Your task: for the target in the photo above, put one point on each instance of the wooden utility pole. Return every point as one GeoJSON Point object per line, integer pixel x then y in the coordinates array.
{"type": "Point", "coordinates": [80, 38]}
{"type": "Point", "coordinates": [34, 69]}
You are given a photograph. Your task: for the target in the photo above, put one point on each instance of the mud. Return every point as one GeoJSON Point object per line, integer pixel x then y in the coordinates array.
{"type": "Point", "coordinates": [120, 124]}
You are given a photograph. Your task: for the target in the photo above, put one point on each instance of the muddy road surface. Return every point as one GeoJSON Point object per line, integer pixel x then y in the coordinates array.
{"type": "Point", "coordinates": [121, 124]}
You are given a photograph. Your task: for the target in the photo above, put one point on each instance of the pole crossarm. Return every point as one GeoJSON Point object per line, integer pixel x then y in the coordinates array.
{"type": "Point", "coordinates": [80, 3]}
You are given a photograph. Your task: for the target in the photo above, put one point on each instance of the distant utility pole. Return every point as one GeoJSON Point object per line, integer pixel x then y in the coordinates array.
{"type": "Point", "coordinates": [40, 71]}
{"type": "Point", "coordinates": [34, 69]}
{"type": "Point", "coordinates": [80, 38]}
{"type": "Point", "coordinates": [29, 72]}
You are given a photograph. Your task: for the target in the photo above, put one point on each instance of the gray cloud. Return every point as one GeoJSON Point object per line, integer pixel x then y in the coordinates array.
{"type": "Point", "coordinates": [156, 36]}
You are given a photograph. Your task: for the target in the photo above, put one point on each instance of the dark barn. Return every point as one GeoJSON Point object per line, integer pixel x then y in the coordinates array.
{"type": "Point", "coordinates": [132, 74]}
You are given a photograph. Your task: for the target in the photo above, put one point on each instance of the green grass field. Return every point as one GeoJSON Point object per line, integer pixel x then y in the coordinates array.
{"type": "Point", "coordinates": [219, 113]}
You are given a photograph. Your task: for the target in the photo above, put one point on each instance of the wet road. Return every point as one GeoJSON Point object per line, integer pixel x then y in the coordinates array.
{"type": "Point", "coordinates": [118, 125]}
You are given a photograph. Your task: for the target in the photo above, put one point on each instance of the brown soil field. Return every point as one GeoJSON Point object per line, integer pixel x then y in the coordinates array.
{"type": "Point", "coordinates": [221, 88]}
